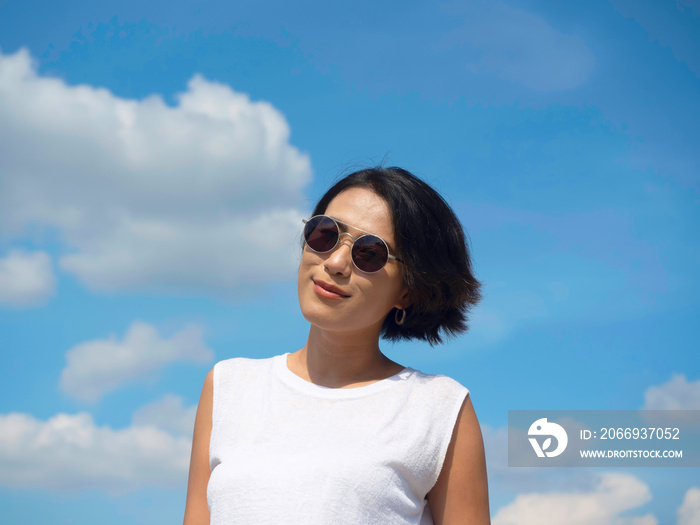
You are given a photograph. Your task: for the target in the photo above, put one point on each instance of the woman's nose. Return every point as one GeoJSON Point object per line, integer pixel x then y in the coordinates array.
{"type": "Point", "coordinates": [340, 259]}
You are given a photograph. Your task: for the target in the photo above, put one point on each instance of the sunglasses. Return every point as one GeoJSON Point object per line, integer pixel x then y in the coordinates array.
{"type": "Point", "coordinates": [369, 253]}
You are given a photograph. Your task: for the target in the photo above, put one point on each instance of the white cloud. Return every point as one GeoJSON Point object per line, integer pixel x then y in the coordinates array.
{"type": "Point", "coordinates": [676, 394]}
{"type": "Point", "coordinates": [70, 452]}
{"type": "Point", "coordinates": [26, 278]}
{"type": "Point", "coordinates": [96, 367]}
{"type": "Point", "coordinates": [190, 255]}
{"type": "Point", "coordinates": [200, 196]}
{"type": "Point", "coordinates": [613, 495]}
{"type": "Point", "coordinates": [521, 47]}
{"type": "Point", "coordinates": [689, 511]}
{"type": "Point", "coordinates": [167, 414]}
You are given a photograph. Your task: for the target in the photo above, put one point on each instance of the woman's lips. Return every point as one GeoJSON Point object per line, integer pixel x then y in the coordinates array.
{"type": "Point", "coordinates": [329, 291]}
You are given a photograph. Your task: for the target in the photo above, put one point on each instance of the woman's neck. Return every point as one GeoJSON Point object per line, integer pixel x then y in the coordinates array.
{"type": "Point", "coordinates": [338, 360]}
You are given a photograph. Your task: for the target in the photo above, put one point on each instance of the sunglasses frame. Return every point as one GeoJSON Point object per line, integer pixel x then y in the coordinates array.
{"type": "Point", "coordinates": [354, 240]}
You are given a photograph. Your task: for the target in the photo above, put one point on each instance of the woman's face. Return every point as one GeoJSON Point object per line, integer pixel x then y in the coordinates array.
{"type": "Point", "coordinates": [359, 301]}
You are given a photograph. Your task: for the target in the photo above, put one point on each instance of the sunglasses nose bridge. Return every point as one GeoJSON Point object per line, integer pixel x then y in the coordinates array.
{"type": "Point", "coordinates": [340, 242]}
{"type": "Point", "coordinates": [348, 234]}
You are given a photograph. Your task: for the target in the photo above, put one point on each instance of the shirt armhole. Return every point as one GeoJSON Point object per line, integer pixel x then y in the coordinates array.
{"type": "Point", "coordinates": [459, 401]}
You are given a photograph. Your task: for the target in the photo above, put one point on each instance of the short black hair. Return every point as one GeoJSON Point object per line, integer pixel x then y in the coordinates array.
{"type": "Point", "coordinates": [431, 241]}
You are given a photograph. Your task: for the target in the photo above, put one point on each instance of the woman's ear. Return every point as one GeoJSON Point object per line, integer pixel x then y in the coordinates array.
{"type": "Point", "coordinates": [404, 300]}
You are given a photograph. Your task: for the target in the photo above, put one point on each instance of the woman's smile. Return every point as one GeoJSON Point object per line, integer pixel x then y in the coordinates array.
{"type": "Point", "coordinates": [328, 291]}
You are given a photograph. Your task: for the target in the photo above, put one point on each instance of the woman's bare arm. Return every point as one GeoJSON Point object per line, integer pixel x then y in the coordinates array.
{"type": "Point", "coordinates": [461, 494]}
{"type": "Point", "coordinates": [196, 507]}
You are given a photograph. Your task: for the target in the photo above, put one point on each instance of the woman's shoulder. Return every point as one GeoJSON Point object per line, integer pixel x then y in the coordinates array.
{"type": "Point", "coordinates": [240, 378]}
{"type": "Point", "coordinates": [438, 382]}
{"type": "Point", "coordinates": [237, 367]}
{"type": "Point", "coordinates": [443, 394]}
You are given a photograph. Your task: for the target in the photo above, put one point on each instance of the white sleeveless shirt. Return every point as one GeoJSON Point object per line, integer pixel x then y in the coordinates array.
{"type": "Point", "coordinates": [286, 451]}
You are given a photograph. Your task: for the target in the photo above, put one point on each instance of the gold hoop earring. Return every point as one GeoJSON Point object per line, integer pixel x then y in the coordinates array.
{"type": "Point", "coordinates": [400, 321]}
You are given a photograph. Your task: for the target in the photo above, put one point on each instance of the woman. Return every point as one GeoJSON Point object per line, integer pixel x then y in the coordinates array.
{"type": "Point", "coordinates": [337, 432]}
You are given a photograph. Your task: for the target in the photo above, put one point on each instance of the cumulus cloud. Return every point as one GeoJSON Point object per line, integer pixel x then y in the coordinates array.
{"type": "Point", "coordinates": [689, 511]}
{"type": "Point", "coordinates": [613, 495]}
{"type": "Point", "coordinates": [676, 394]}
{"type": "Point", "coordinates": [200, 196]}
{"type": "Point", "coordinates": [71, 452]}
{"type": "Point", "coordinates": [520, 46]}
{"type": "Point", "coordinates": [96, 367]}
{"type": "Point", "coordinates": [168, 414]}
{"type": "Point", "coordinates": [26, 279]}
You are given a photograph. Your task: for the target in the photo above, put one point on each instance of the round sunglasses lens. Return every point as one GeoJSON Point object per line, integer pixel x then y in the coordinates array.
{"type": "Point", "coordinates": [321, 234]}
{"type": "Point", "coordinates": [369, 253]}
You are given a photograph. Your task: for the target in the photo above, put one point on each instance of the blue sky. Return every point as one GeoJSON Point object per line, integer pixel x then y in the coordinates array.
{"type": "Point", "coordinates": [140, 141]}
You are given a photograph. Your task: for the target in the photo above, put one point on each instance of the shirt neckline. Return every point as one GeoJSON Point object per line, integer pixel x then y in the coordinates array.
{"type": "Point", "coordinates": [297, 383]}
